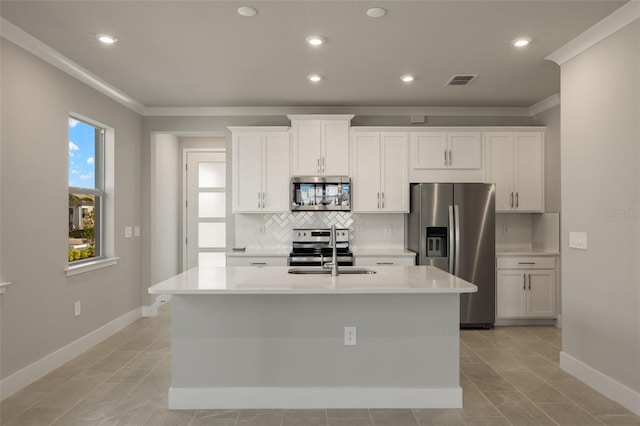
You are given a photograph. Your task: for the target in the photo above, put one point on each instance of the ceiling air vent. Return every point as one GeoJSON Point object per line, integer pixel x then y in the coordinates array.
{"type": "Point", "coordinates": [461, 80]}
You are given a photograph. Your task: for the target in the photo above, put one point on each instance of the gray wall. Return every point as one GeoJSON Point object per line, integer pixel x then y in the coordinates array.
{"type": "Point", "coordinates": [600, 177]}
{"type": "Point", "coordinates": [37, 310]}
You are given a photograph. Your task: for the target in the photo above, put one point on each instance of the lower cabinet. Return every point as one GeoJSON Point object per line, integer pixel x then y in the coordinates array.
{"type": "Point", "coordinates": [526, 287]}
{"type": "Point", "coordinates": [384, 260]}
{"type": "Point", "coordinates": [257, 261]}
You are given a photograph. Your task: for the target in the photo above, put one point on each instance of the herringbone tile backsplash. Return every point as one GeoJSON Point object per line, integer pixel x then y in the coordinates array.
{"type": "Point", "coordinates": [273, 231]}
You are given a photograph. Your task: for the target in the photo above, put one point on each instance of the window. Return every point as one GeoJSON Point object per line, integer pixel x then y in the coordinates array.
{"type": "Point", "coordinates": [86, 190]}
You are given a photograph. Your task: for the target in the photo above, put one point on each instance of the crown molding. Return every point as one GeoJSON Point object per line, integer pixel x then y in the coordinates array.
{"type": "Point", "coordinates": [34, 46]}
{"type": "Point", "coordinates": [603, 29]}
{"type": "Point", "coordinates": [371, 111]}
{"type": "Point", "coordinates": [544, 104]}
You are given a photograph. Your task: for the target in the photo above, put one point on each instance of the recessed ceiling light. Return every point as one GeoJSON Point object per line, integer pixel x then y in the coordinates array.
{"type": "Point", "coordinates": [315, 40]}
{"type": "Point", "coordinates": [408, 78]}
{"type": "Point", "coordinates": [314, 78]}
{"type": "Point", "coordinates": [521, 41]}
{"type": "Point", "coordinates": [247, 11]}
{"type": "Point", "coordinates": [106, 38]}
{"type": "Point", "coordinates": [376, 12]}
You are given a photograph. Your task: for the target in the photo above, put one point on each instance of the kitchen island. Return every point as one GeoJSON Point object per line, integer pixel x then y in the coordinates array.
{"type": "Point", "coordinates": [259, 337]}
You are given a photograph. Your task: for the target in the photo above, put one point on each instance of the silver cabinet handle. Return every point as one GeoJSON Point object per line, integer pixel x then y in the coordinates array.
{"type": "Point", "coordinates": [384, 263]}
{"type": "Point", "coordinates": [529, 281]}
{"type": "Point", "coordinates": [517, 200]}
{"type": "Point", "coordinates": [258, 263]}
{"type": "Point", "coordinates": [383, 200]}
{"type": "Point", "coordinates": [378, 200]}
{"type": "Point", "coordinates": [512, 200]}
{"type": "Point", "coordinates": [258, 200]}
{"type": "Point", "coordinates": [526, 263]}
{"type": "Point", "coordinates": [445, 157]}
{"type": "Point", "coordinates": [524, 281]}
{"type": "Point", "coordinates": [318, 165]}
{"type": "Point", "coordinates": [323, 165]}
{"type": "Point", "coordinates": [450, 158]}
{"type": "Point", "coordinates": [264, 198]}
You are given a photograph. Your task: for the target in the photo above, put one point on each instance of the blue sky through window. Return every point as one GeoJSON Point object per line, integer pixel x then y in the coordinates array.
{"type": "Point", "coordinates": [82, 154]}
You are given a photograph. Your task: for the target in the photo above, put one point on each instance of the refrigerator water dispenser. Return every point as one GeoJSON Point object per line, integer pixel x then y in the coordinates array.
{"type": "Point", "coordinates": [436, 241]}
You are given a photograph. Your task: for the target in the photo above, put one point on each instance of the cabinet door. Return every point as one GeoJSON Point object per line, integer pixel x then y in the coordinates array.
{"type": "Point", "coordinates": [465, 150]}
{"type": "Point", "coordinates": [335, 148]}
{"type": "Point", "coordinates": [429, 150]}
{"type": "Point", "coordinates": [529, 172]}
{"type": "Point", "coordinates": [247, 154]}
{"type": "Point", "coordinates": [306, 147]}
{"type": "Point", "coordinates": [275, 175]}
{"type": "Point", "coordinates": [365, 193]}
{"type": "Point", "coordinates": [510, 294]}
{"type": "Point", "coordinates": [541, 289]}
{"type": "Point", "coordinates": [500, 167]}
{"type": "Point", "coordinates": [395, 175]}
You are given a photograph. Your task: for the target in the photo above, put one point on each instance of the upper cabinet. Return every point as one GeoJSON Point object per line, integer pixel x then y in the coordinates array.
{"type": "Point", "coordinates": [260, 169]}
{"type": "Point", "coordinates": [320, 145]}
{"type": "Point", "coordinates": [515, 163]}
{"type": "Point", "coordinates": [379, 172]}
{"type": "Point", "coordinates": [446, 155]}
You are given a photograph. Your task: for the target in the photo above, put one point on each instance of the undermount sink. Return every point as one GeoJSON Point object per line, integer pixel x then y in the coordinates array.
{"type": "Point", "coordinates": [341, 271]}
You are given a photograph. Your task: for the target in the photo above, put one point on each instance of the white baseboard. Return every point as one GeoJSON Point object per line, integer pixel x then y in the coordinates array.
{"type": "Point", "coordinates": [559, 321]}
{"type": "Point", "coordinates": [15, 382]}
{"type": "Point", "coordinates": [152, 310]}
{"type": "Point", "coordinates": [525, 321]}
{"type": "Point", "coordinates": [307, 398]}
{"type": "Point", "coordinates": [612, 389]}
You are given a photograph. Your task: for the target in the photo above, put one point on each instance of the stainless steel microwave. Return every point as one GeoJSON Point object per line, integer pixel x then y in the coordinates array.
{"type": "Point", "coordinates": [320, 193]}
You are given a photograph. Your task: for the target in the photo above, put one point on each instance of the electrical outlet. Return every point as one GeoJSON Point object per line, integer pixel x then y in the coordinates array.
{"type": "Point", "coordinates": [128, 232]}
{"type": "Point", "coordinates": [350, 337]}
{"type": "Point", "coordinates": [136, 231]}
{"type": "Point", "coordinates": [77, 308]}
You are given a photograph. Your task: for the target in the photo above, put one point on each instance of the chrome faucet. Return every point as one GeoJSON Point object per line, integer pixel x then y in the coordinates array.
{"type": "Point", "coordinates": [333, 242]}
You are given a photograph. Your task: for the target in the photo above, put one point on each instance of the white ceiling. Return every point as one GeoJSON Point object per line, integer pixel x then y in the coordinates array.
{"type": "Point", "coordinates": [185, 53]}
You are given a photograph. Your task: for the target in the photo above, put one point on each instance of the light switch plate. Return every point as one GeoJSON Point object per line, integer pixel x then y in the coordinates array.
{"type": "Point", "coordinates": [128, 232]}
{"type": "Point", "coordinates": [578, 240]}
{"type": "Point", "coordinates": [136, 231]}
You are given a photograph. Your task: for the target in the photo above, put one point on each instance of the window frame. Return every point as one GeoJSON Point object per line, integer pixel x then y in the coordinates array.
{"type": "Point", "coordinates": [103, 199]}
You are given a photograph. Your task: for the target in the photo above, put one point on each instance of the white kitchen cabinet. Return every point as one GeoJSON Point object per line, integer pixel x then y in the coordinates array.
{"type": "Point", "coordinates": [526, 288]}
{"type": "Point", "coordinates": [515, 163]}
{"type": "Point", "coordinates": [446, 150]}
{"type": "Point", "coordinates": [260, 169]}
{"type": "Point", "coordinates": [320, 145]}
{"type": "Point", "coordinates": [380, 180]}
{"type": "Point", "coordinates": [384, 260]}
{"type": "Point", "coordinates": [256, 260]}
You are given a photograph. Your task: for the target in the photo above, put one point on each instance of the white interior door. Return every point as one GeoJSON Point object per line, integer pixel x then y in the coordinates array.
{"type": "Point", "coordinates": [205, 209]}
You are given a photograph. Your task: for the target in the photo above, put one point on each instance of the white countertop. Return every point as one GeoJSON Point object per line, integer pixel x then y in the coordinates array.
{"type": "Point", "coordinates": [383, 252]}
{"type": "Point", "coordinates": [276, 280]}
{"type": "Point", "coordinates": [270, 252]}
{"type": "Point", "coordinates": [527, 253]}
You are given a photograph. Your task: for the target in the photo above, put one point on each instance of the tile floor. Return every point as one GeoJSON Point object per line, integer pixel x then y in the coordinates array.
{"type": "Point", "coordinates": [510, 376]}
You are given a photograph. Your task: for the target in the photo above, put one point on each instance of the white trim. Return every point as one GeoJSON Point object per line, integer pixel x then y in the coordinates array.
{"type": "Point", "coordinates": [355, 110]}
{"type": "Point", "coordinates": [92, 265]}
{"type": "Point", "coordinates": [3, 286]}
{"type": "Point", "coordinates": [307, 397]}
{"type": "Point", "coordinates": [320, 116]}
{"type": "Point", "coordinates": [152, 310]}
{"type": "Point", "coordinates": [601, 30]}
{"type": "Point", "coordinates": [545, 104]}
{"type": "Point", "coordinates": [604, 384]}
{"type": "Point", "coordinates": [32, 45]}
{"type": "Point", "coordinates": [524, 321]}
{"type": "Point", "coordinates": [13, 383]}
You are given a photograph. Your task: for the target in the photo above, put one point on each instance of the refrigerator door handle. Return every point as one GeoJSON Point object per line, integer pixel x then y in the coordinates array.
{"type": "Point", "coordinates": [452, 225]}
{"type": "Point", "coordinates": [456, 269]}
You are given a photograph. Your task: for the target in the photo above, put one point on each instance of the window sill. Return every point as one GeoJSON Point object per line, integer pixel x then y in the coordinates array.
{"type": "Point", "coordinates": [91, 265]}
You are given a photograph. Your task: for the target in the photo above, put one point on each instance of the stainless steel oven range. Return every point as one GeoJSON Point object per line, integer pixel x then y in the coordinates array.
{"type": "Point", "coordinates": [311, 247]}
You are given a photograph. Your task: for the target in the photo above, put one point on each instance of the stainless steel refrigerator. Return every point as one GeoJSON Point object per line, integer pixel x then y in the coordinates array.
{"type": "Point", "coordinates": [452, 226]}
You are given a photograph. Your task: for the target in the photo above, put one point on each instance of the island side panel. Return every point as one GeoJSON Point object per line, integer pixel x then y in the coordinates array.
{"type": "Point", "coordinates": [257, 348]}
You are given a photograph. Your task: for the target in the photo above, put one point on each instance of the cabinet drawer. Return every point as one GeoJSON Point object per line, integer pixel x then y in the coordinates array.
{"type": "Point", "coordinates": [534, 262]}
{"type": "Point", "coordinates": [256, 261]}
{"type": "Point", "coordinates": [385, 261]}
